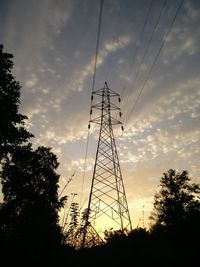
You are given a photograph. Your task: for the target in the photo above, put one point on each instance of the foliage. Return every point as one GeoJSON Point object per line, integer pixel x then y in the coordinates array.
{"type": "Point", "coordinates": [29, 213]}
{"type": "Point", "coordinates": [74, 215]}
{"type": "Point", "coordinates": [114, 236]}
{"type": "Point", "coordinates": [12, 131]}
{"type": "Point", "coordinates": [176, 202]}
{"type": "Point", "coordinates": [73, 229]}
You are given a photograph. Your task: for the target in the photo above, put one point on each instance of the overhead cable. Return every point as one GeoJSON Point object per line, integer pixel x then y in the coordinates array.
{"type": "Point", "coordinates": [97, 44]}
{"type": "Point", "coordinates": [156, 58]}
{"type": "Point", "coordinates": [93, 85]}
{"type": "Point", "coordinates": [136, 49]}
{"type": "Point", "coordinates": [146, 49]}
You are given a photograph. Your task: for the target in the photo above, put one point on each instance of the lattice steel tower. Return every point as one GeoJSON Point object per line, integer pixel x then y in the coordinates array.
{"type": "Point", "coordinates": [107, 205]}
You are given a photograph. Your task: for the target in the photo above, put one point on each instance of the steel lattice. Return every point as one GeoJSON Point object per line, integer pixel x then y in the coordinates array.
{"type": "Point", "coordinates": [107, 196]}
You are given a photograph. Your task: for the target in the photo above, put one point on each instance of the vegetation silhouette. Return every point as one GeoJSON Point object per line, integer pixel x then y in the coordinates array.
{"type": "Point", "coordinates": [12, 130]}
{"type": "Point", "coordinates": [172, 239]}
{"type": "Point", "coordinates": [176, 204]}
{"type": "Point", "coordinates": [30, 233]}
{"type": "Point", "coordinates": [29, 221]}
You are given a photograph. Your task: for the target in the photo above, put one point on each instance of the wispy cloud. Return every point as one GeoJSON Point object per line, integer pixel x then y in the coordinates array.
{"type": "Point", "coordinates": [108, 48]}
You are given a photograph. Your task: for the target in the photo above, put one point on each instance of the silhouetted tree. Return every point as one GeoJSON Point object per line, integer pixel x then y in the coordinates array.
{"type": "Point", "coordinates": [115, 236]}
{"type": "Point", "coordinates": [29, 214]}
{"type": "Point", "coordinates": [176, 203]}
{"type": "Point", "coordinates": [12, 131]}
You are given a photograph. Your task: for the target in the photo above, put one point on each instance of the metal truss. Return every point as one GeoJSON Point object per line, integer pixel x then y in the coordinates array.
{"type": "Point", "coordinates": [107, 197]}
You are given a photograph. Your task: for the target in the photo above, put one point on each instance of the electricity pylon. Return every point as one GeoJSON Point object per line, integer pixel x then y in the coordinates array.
{"type": "Point", "coordinates": [107, 203]}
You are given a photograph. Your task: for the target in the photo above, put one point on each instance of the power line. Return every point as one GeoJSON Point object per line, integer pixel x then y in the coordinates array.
{"type": "Point", "coordinates": [134, 55]}
{"type": "Point", "coordinates": [146, 49]}
{"type": "Point", "coordinates": [156, 58]}
{"type": "Point", "coordinates": [115, 41]}
{"type": "Point", "coordinates": [97, 44]}
{"type": "Point", "coordinates": [84, 167]}
{"type": "Point", "coordinates": [137, 45]}
{"type": "Point", "coordinates": [93, 85]}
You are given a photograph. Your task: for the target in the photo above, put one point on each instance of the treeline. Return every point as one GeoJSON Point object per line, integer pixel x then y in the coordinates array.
{"type": "Point", "coordinates": [173, 237]}
{"type": "Point", "coordinates": [30, 233]}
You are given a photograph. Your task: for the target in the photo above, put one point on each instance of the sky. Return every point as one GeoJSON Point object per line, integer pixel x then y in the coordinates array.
{"type": "Point", "coordinates": [153, 67]}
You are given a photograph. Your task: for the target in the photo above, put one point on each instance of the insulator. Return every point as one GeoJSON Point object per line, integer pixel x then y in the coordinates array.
{"type": "Point", "coordinates": [122, 128]}
{"type": "Point", "coordinates": [90, 111]}
{"type": "Point", "coordinates": [119, 99]}
{"type": "Point", "coordinates": [120, 114]}
{"type": "Point", "coordinates": [88, 126]}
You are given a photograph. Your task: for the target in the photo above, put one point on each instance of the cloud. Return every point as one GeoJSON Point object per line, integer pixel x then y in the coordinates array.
{"type": "Point", "coordinates": [184, 36]}
{"type": "Point", "coordinates": [31, 82]}
{"type": "Point", "coordinates": [193, 9]}
{"type": "Point", "coordinates": [40, 23]}
{"type": "Point", "coordinates": [88, 68]}
{"type": "Point", "coordinates": [164, 104]}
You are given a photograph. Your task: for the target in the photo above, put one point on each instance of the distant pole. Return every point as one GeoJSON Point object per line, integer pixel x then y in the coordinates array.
{"type": "Point", "coordinates": [143, 216]}
{"type": "Point", "coordinates": [107, 198]}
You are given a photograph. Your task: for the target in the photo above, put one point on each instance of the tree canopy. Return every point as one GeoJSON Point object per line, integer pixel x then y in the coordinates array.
{"type": "Point", "coordinates": [29, 218]}
{"type": "Point", "coordinates": [31, 201]}
{"type": "Point", "coordinates": [12, 130]}
{"type": "Point", "coordinates": [177, 200]}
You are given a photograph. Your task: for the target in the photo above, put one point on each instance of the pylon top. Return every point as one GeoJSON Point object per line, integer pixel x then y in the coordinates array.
{"type": "Point", "coordinates": [106, 89]}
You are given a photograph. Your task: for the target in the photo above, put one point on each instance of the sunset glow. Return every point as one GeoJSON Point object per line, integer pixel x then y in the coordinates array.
{"type": "Point", "coordinates": [53, 43]}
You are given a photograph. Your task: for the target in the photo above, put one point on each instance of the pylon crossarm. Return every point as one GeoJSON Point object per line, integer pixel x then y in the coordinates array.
{"type": "Point", "coordinates": [97, 106]}
{"type": "Point", "coordinates": [107, 106]}
{"type": "Point", "coordinates": [112, 121]}
{"type": "Point", "coordinates": [112, 93]}
{"type": "Point", "coordinates": [96, 120]}
{"type": "Point", "coordinates": [113, 107]}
